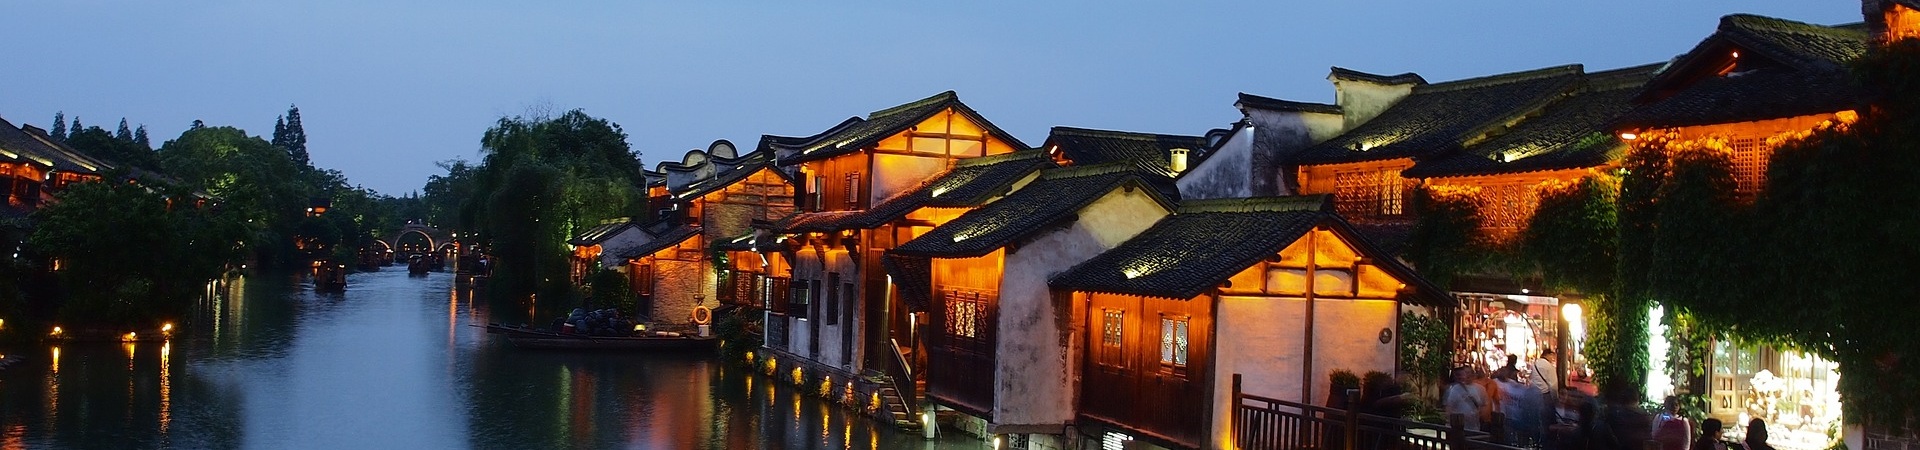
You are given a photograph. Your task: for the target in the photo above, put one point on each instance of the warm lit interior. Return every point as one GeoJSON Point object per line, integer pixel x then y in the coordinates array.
{"type": "Point", "coordinates": [1361, 191]}
{"type": "Point", "coordinates": [1902, 22]}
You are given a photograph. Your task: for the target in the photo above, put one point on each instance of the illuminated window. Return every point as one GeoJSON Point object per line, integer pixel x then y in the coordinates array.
{"type": "Point", "coordinates": [1749, 163]}
{"type": "Point", "coordinates": [1370, 193]}
{"type": "Point", "coordinates": [968, 319]}
{"type": "Point", "coordinates": [1173, 342]}
{"type": "Point", "coordinates": [1112, 338]}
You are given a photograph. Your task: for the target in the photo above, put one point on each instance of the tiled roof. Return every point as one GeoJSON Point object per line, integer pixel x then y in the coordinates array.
{"type": "Point", "coordinates": [970, 182]}
{"type": "Point", "coordinates": [1206, 242]}
{"type": "Point", "coordinates": [1274, 104]}
{"type": "Point", "coordinates": [1437, 118]}
{"type": "Point", "coordinates": [1797, 44]}
{"type": "Point", "coordinates": [1052, 198]}
{"type": "Point", "coordinates": [600, 233]}
{"type": "Point", "coordinates": [654, 178]}
{"type": "Point", "coordinates": [1572, 133]}
{"type": "Point", "coordinates": [748, 243]}
{"type": "Point", "coordinates": [856, 133]}
{"type": "Point", "coordinates": [1350, 74]}
{"type": "Point", "coordinates": [662, 239]}
{"type": "Point", "coordinates": [1808, 75]}
{"type": "Point", "coordinates": [730, 171]}
{"type": "Point", "coordinates": [1150, 153]}
{"type": "Point", "coordinates": [40, 148]}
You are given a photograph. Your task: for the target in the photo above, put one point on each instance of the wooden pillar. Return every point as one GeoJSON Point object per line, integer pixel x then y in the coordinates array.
{"type": "Point", "coordinates": [1306, 366]}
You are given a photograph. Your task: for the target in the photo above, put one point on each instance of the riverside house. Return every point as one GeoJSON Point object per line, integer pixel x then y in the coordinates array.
{"type": "Point", "coordinates": [1278, 289]}
{"type": "Point", "coordinates": [1001, 344]}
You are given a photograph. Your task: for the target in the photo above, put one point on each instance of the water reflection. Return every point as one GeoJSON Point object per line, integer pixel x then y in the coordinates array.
{"type": "Point", "coordinates": [396, 362]}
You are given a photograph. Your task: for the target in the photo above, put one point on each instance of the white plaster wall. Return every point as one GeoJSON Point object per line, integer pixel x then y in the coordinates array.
{"type": "Point", "coordinates": [1223, 175]}
{"type": "Point", "coordinates": [895, 173]}
{"type": "Point", "coordinates": [1346, 335]}
{"type": "Point", "coordinates": [1361, 101]}
{"type": "Point", "coordinates": [811, 266]}
{"type": "Point", "coordinates": [1321, 127]}
{"type": "Point", "coordinates": [1278, 137]}
{"type": "Point", "coordinates": [1261, 339]}
{"type": "Point", "coordinates": [1034, 371]}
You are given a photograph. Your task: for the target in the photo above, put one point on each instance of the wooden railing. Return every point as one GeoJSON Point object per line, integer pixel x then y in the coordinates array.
{"type": "Point", "coordinates": [1261, 423]}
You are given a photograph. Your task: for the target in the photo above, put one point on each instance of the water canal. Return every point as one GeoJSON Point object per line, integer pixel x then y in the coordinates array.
{"type": "Point", "coordinates": [396, 362]}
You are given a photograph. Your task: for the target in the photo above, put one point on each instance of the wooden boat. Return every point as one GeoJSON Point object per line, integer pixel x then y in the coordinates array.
{"type": "Point", "coordinates": [531, 338]}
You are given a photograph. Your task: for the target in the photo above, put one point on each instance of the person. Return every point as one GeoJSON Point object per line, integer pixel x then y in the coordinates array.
{"type": "Point", "coordinates": [1757, 435]}
{"type": "Point", "coordinates": [1572, 420]}
{"type": "Point", "coordinates": [1509, 371]}
{"type": "Point", "coordinates": [1465, 399]}
{"type": "Point", "coordinates": [1671, 429]}
{"type": "Point", "coordinates": [1709, 436]}
{"type": "Point", "coordinates": [1517, 402]}
{"type": "Point", "coordinates": [1542, 374]}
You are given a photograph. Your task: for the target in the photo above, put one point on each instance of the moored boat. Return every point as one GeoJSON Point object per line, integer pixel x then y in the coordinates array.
{"type": "Point", "coordinates": [530, 338]}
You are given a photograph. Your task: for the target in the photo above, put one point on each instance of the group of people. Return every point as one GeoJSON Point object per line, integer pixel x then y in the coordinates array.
{"type": "Point", "coordinates": [1516, 404]}
{"type": "Point", "coordinates": [1522, 405]}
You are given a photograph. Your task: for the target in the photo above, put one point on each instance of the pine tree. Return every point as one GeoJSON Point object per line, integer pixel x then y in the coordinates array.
{"type": "Point", "coordinates": [140, 138]}
{"type": "Point", "coordinates": [280, 133]}
{"type": "Point", "coordinates": [76, 128]}
{"type": "Point", "coordinates": [60, 126]}
{"type": "Point", "coordinates": [296, 137]}
{"type": "Point", "coordinates": [123, 134]}
{"type": "Point", "coordinates": [197, 124]}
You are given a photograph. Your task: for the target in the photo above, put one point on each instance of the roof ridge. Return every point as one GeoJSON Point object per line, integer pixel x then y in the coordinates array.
{"type": "Point", "coordinates": [1624, 77]}
{"type": "Point", "coordinates": [1116, 167]}
{"type": "Point", "coordinates": [1118, 133]}
{"type": "Point", "coordinates": [1316, 202]}
{"type": "Point", "coordinates": [1270, 103]}
{"type": "Point", "coordinates": [1745, 20]}
{"type": "Point", "coordinates": [1503, 78]}
{"type": "Point", "coordinates": [1350, 74]}
{"type": "Point", "coordinates": [935, 99]}
{"type": "Point", "coordinates": [1032, 153]}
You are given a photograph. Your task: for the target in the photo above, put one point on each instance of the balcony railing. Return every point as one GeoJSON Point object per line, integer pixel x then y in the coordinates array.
{"type": "Point", "coordinates": [1261, 423]}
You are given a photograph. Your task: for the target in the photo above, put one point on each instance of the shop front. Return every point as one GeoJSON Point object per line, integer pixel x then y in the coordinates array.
{"type": "Point", "coordinates": [1796, 393]}
{"type": "Point", "coordinates": [1492, 326]}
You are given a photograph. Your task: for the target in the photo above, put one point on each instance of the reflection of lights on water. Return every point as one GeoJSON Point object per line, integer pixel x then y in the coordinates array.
{"type": "Point", "coordinates": [56, 360]}
{"type": "Point", "coordinates": [166, 388]}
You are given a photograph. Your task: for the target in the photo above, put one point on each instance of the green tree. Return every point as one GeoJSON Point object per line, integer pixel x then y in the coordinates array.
{"type": "Point", "coordinates": [126, 256]}
{"type": "Point", "coordinates": [59, 128]}
{"type": "Point", "coordinates": [291, 137]}
{"type": "Point", "coordinates": [124, 133]}
{"type": "Point", "coordinates": [255, 182]}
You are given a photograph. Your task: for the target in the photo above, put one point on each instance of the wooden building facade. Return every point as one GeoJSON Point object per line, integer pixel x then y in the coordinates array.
{"type": "Point", "coordinates": [1280, 289]}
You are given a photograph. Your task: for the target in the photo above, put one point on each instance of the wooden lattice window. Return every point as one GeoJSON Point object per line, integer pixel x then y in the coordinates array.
{"type": "Point", "coordinates": [1173, 342]}
{"type": "Point", "coordinates": [802, 295]}
{"type": "Point", "coordinates": [1749, 163]}
{"type": "Point", "coordinates": [1506, 209]}
{"type": "Point", "coordinates": [853, 189]}
{"type": "Point", "coordinates": [968, 319]}
{"type": "Point", "coordinates": [1369, 193]}
{"type": "Point", "coordinates": [1112, 338]}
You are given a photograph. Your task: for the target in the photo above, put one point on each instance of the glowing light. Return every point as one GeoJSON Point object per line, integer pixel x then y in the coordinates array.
{"type": "Point", "coordinates": [1571, 312]}
{"type": "Point", "coordinates": [939, 190]}
{"type": "Point", "coordinates": [166, 327]}
{"type": "Point", "coordinates": [129, 337]}
{"type": "Point", "coordinates": [1629, 136]}
{"type": "Point", "coordinates": [57, 331]}
{"type": "Point", "coordinates": [1736, 53]}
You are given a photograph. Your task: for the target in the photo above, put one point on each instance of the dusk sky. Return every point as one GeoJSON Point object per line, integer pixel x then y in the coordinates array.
{"type": "Point", "coordinates": [386, 88]}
